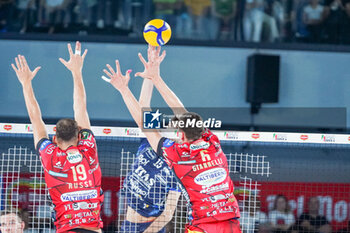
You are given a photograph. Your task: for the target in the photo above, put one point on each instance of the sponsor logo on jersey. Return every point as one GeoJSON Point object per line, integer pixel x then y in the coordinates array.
{"type": "Point", "coordinates": [68, 216]}
{"type": "Point", "coordinates": [93, 169]}
{"type": "Point", "coordinates": [200, 145]}
{"type": "Point", "coordinates": [255, 135]}
{"type": "Point", "coordinates": [60, 153]}
{"type": "Point", "coordinates": [44, 144]}
{"type": "Point", "coordinates": [328, 138]}
{"type": "Point", "coordinates": [214, 189]}
{"type": "Point", "coordinates": [50, 149]}
{"type": "Point", "coordinates": [185, 154]}
{"type": "Point", "coordinates": [211, 177]}
{"type": "Point", "coordinates": [280, 137]}
{"type": "Point", "coordinates": [85, 135]}
{"type": "Point", "coordinates": [58, 165]}
{"type": "Point", "coordinates": [141, 173]}
{"type": "Point", "coordinates": [84, 205]}
{"type": "Point", "coordinates": [7, 127]}
{"type": "Point", "coordinates": [212, 163]}
{"type": "Point", "coordinates": [82, 215]}
{"type": "Point", "coordinates": [107, 131]}
{"type": "Point", "coordinates": [91, 160]}
{"type": "Point", "coordinates": [168, 143]}
{"type": "Point", "coordinates": [79, 195]}
{"type": "Point", "coordinates": [304, 137]}
{"type": "Point", "coordinates": [73, 156]}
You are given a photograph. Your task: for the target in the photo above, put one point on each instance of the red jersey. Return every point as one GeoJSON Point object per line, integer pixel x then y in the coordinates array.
{"type": "Point", "coordinates": [202, 170]}
{"type": "Point", "coordinates": [73, 178]}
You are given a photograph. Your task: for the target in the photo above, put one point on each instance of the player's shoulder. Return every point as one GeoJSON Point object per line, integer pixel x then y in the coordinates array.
{"type": "Point", "coordinates": [86, 134]}
{"type": "Point", "coordinates": [44, 145]}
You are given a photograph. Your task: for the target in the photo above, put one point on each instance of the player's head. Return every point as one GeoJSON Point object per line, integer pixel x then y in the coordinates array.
{"type": "Point", "coordinates": [281, 204]}
{"type": "Point", "coordinates": [11, 222]}
{"type": "Point", "coordinates": [189, 129]}
{"type": "Point", "coordinates": [67, 130]}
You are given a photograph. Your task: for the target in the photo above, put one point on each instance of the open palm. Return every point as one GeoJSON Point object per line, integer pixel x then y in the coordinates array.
{"type": "Point", "coordinates": [151, 70]}
{"type": "Point", "coordinates": [24, 74]}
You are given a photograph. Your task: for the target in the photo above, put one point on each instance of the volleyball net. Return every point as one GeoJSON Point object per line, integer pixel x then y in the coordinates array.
{"type": "Point", "coordinates": [263, 166]}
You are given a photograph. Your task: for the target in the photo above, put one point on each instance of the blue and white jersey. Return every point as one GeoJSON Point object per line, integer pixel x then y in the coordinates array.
{"type": "Point", "coordinates": [147, 185]}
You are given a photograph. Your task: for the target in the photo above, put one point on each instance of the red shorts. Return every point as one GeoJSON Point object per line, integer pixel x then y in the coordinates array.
{"type": "Point", "coordinates": [229, 226]}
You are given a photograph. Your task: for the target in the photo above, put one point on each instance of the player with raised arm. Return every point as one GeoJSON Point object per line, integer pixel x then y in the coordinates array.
{"type": "Point", "coordinates": [204, 175]}
{"type": "Point", "coordinates": [150, 188]}
{"type": "Point", "coordinates": [70, 161]}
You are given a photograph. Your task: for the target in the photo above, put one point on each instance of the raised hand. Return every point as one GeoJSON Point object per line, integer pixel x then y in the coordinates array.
{"type": "Point", "coordinates": [76, 61]}
{"type": "Point", "coordinates": [118, 80]}
{"type": "Point", "coordinates": [151, 70]}
{"type": "Point", "coordinates": [24, 74]}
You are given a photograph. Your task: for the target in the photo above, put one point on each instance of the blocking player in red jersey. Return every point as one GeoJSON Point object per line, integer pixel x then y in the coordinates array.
{"type": "Point", "coordinates": [70, 161]}
{"type": "Point", "coordinates": [198, 161]}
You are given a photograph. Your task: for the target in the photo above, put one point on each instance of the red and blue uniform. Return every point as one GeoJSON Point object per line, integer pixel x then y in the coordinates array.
{"type": "Point", "coordinates": [73, 178]}
{"type": "Point", "coordinates": [202, 171]}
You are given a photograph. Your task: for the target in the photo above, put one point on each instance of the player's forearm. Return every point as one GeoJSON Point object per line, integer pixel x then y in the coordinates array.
{"type": "Point", "coordinates": [39, 130]}
{"type": "Point", "coordinates": [169, 97]}
{"type": "Point", "coordinates": [160, 222]}
{"type": "Point", "coordinates": [79, 97]}
{"type": "Point", "coordinates": [31, 103]}
{"type": "Point", "coordinates": [133, 105]}
{"type": "Point", "coordinates": [146, 94]}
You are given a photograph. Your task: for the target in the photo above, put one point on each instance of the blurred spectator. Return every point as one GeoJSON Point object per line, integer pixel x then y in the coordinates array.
{"type": "Point", "coordinates": [311, 221]}
{"type": "Point", "coordinates": [11, 222]}
{"type": "Point", "coordinates": [199, 19]}
{"type": "Point", "coordinates": [313, 17]}
{"type": "Point", "coordinates": [275, 9]}
{"type": "Point", "coordinates": [108, 13]}
{"type": "Point", "coordinates": [346, 27]}
{"type": "Point", "coordinates": [335, 15]}
{"type": "Point", "coordinates": [301, 33]}
{"type": "Point", "coordinates": [170, 11]}
{"type": "Point", "coordinates": [252, 219]}
{"type": "Point", "coordinates": [6, 8]}
{"type": "Point", "coordinates": [281, 216]}
{"type": "Point", "coordinates": [254, 20]}
{"type": "Point", "coordinates": [224, 11]}
{"type": "Point", "coordinates": [25, 11]}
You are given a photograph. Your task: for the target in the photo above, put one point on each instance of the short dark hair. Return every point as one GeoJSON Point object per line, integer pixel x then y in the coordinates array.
{"type": "Point", "coordinates": [66, 129]}
{"type": "Point", "coordinates": [192, 131]}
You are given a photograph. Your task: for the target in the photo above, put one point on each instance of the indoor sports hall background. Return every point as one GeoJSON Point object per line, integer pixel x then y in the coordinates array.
{"type": "Point", "coordinates": [285, 124]}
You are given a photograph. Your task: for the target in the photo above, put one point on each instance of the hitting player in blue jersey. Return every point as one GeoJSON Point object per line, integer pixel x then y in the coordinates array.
{"type": "Point", "coordinates": [150, 188]}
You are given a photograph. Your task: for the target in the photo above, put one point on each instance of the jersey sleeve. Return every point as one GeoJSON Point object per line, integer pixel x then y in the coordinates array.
{"type": "Point", "coordinates": [87, 140]}
{"type": "Point", "coordinates": [45, 149]}
{"type": "Point", "coordinates": [167, 149]}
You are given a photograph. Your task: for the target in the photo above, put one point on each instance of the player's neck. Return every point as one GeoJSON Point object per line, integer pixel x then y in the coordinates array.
{"type": "Point", "coordinates": [66, 145]}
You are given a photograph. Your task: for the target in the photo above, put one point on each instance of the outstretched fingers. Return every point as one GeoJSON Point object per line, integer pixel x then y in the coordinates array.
{"type": "Point", "coordinates": [14, 68]}
{"type": "Point", "coordinates": [161, 58]}
{"type": "Point", "coordinates": [64, 62]}
{"type": "Point", "coordinates": [70, 49]}
{"type": "Point", "coordinates": [84, 54]}
{"type": "Point", "coordinates": [110, 69]}
{"type": "Point", "coordinates": [17, 63]}
{"type": "Point", "coordinates": [117, 65]}
{"type": "Point", "coordinates": [36, 70]}
{"type": "Point", "coordinates": [142, 60]}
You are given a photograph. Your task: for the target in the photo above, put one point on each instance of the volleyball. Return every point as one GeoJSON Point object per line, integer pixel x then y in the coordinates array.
{"type": "Point", "coordinates": [157, 32]}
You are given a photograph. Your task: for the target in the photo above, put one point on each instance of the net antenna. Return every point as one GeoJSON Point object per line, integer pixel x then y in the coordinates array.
{"type": "Point", "coordinates": [23, 188]}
